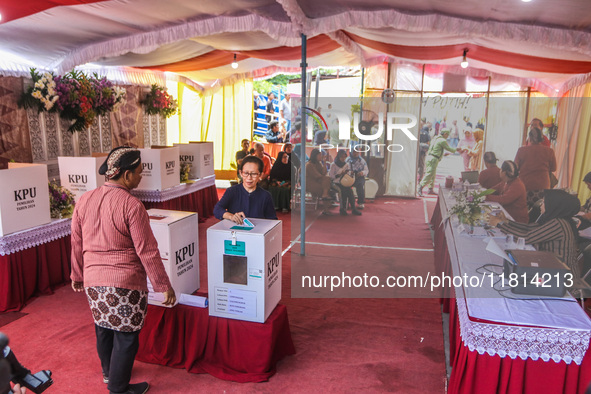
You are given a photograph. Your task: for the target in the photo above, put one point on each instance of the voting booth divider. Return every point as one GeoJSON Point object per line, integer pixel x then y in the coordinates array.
{"type": "Point", "coordinates": [198, 155]}
{"type": "Point", "coordinates": [160, 168]}
{"type": "Point", "coordinates": [80, 174]}
{"type": "Point", "coordinates": [177, 234]}
{"type": "Point", "coordinates": [244, 269]}
{"type": "Point", "coordinates": [24, 197]}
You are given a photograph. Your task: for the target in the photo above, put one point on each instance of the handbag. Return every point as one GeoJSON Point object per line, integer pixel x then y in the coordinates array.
{"type": "Point", "coordinates": [553, 180]}
{"type": "Point", "coordinates": [347, 180]}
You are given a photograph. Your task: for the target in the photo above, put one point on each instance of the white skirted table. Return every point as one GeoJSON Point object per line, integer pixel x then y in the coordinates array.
{"type": "Point", "coordinates": [500, 344]}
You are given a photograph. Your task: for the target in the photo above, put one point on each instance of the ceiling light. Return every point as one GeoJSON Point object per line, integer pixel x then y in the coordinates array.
{"type": "Point", "coordinates": [0, 17]}
{"type": "Point", "coordinates": [234, 63]}
{"type": "Point", "coordinates": [464, 62]}
{"type": "Point", "coordinates": [526, 1]}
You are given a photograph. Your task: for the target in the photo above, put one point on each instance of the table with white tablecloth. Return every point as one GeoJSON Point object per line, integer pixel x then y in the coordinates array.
{"type": "Point", "coordinates": [499, 343]}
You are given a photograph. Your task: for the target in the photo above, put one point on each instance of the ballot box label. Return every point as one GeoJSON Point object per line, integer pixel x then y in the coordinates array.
{"type": "Point", "coordinates": [237, 250]}
{"type": "Point", "coordinates": [255, 273]}
{"type": "Point", "coordinates": [236, 302]}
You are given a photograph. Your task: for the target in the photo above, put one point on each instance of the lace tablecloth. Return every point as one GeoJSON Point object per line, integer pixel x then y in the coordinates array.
{"type": "Point", "coordinates": [35, 236]}
{"type": "Point", "coordinates": [174, 192]}
{"type": "Point", "coordinates": [556, 330]}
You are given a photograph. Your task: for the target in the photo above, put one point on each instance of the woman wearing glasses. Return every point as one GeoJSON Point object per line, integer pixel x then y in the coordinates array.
{"type": "Point", "coordinates": [246, 199]}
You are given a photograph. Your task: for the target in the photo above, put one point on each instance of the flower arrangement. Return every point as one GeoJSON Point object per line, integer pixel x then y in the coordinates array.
{"type": "Point", "coordinates": [75, 96]}
{"type": "Point", "coordinates": [77, 99]}
{"type": "Point", "coordinates": [185, 169]}
{"type": "Point", "coordinates": [42, 95]}
{"type": "Point", "coordinates": [108, 97]}
{"type": "Point", "coordinates": [467, 207]}
{"type": "Point", "coordinates": [158, 101]}
{"type": "Point", "coordinates": [61, 201]}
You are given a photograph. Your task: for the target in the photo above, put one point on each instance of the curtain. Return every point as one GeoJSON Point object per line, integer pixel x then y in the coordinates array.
{"type": "Point", "coordinates": [127, 124]}
{"type": "Point", "coordinates": [226, 119]}
{"type": "Point", "coordinates": [504, 129]}
{"type": "Point", "coordinates": [573, 129]}
{"type": "Point", "coordinates": [574, 139]}
{"type": "Point", "coordinates": [401, 167]}
{"type": "Point", "coordinates": [15, 142]}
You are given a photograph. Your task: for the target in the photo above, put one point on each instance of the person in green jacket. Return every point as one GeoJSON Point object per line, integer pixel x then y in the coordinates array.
{"type": "Point", "coordinates": [434, 155]}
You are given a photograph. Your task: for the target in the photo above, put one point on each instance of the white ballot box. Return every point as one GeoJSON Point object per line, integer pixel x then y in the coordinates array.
{"type": "Point", "coordinates": [24, 197]}
{"type": "Point", "coordinates": [177, 234]}
{"type": "Point", "coordinates": [244, 269]}
{"type": "Point", "coordinates": [80, 174]}
{"type": "Point", "coordinates": [199, 155]}
{"type": "Point", "coordinates": [160, 168]}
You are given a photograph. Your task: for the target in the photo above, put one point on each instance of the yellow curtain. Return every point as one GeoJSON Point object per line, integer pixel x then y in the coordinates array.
{"type": "Point", "coordinates": [226, 119]}
{"type": "Point", "coordinates": [574, 112]}
{"type": "Point", "coordinates": [573, 133]}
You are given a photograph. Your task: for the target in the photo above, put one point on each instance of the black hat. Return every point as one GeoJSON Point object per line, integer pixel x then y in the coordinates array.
{"type": "Point", "coordinates": [587, 177]}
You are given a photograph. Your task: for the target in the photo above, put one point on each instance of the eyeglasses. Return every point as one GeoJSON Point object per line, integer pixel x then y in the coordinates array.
{"type": "Point", "coordinates": [250, 174]}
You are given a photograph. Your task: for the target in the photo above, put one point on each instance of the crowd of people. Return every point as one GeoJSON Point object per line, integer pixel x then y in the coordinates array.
{"type": "Point", "coordinates": [327, 180]}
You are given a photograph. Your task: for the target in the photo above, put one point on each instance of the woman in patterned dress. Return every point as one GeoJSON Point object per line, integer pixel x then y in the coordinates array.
{"type": "Point", "coordinates": [113, 253]}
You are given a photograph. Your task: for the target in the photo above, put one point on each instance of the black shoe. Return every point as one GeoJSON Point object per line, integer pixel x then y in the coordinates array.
{"type": "Point", "coordinates": [343, 212]}
{"type": "Point", "coordinates": [420, 191]}
{"type": "Point", "coordinates": [356, 212]}
{"type": "Point", "coordinates": [137, 388]}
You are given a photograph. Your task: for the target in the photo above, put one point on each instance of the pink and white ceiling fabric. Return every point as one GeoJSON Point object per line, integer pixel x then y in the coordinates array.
{"type": "Point", "coordinates": [548, 41]}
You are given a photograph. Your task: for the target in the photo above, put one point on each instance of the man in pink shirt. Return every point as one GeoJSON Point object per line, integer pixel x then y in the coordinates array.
{"type": "Point", "coordinates": [113, 253]}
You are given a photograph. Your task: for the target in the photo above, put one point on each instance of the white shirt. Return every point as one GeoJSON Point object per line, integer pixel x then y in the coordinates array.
{"type": "Point", "coordinates": [285, 108]}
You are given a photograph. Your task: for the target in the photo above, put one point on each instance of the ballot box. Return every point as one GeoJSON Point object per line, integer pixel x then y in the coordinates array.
{"type": "Point", "coordinates": [80, 174]}
{"type": "Point", "coordinates": [24, 197]}
{"type": "Point", "coordinates": [199, 155]}
{"type": "Point", "coordinates": [160, 168]}
{"type": "Point", "coordinates": [244, 269]}
{"type": "Point", "coordinates": [177, 234]}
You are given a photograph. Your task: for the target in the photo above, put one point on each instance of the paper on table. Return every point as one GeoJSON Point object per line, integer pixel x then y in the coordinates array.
{"type": "Point", "coordinates": [191, 300]}
{"type": "Point", "coordinates": [494, 247]}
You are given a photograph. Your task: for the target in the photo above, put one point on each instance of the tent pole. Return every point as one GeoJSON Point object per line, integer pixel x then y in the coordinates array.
{"type": "Point", "coordinates": [303, 133]}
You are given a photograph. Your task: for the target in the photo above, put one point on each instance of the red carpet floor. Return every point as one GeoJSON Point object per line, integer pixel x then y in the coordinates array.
{"type": "Point", "coordinates": [343, 345]}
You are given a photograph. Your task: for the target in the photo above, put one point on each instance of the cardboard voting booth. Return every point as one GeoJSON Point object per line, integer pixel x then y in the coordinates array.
{"type": "Point", "coordinates": [80, 174]}
{"type": "Point", "coordinates": [244, 269]}
{"type": "Point", "coordinates": [24, 197]}
{"type": "Point", "coordinates": [177, 234]}
{"type": "Point", "coordinates": [160, 168]}
{"type": "Point", "coordinates": [199, 155]}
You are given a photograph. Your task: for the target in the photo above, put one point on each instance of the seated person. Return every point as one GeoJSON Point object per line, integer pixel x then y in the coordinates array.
{"type": "Point", "coordinates": [246, 199]}
{"type": "Point", "coordinates": [491, 175]}
{"type": "Point", "coordinates": [359, 167]}
{"type": "Point", "coordinates": [241, 154]}
{"type": "Point", "coordinates": [510, 193]}
{"type": "Point", "coordinates": [320, 137]}
{"type": "Point", "coordinates": [273, 135]}
{"type": "Point", "coordinates": [317, 181]}
{"type": "Point", "coordinates": [555, 230]}
{"type": "Point", "coordinates": [280, 184]}
{"type": "Point", "coordinates": [294, 159]}
{"type": "Point", "coordinates": [259, 151]}
{"type": "Point", "coordinates": [337, 169]}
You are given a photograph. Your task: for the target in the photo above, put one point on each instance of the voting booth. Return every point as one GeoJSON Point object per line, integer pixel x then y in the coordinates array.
{"type": "Point", "coordinates": [244, 269]}
{"type": "Point", "coordinates": [24, 197]}
{"type": "Point", "coordinates": [160, 168]}
{"type": "Point", "coordinates": [199, 155]}
{"type": "Point", "coordinates": [177, 234]}
{"type": "Point", "coordinates": [80, 174]}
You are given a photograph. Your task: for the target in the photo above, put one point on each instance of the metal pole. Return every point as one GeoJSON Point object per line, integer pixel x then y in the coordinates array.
{"type": "Point", "coordinates": [317, 88]}
{"type": "Point", "coordinates": [303, 133]}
